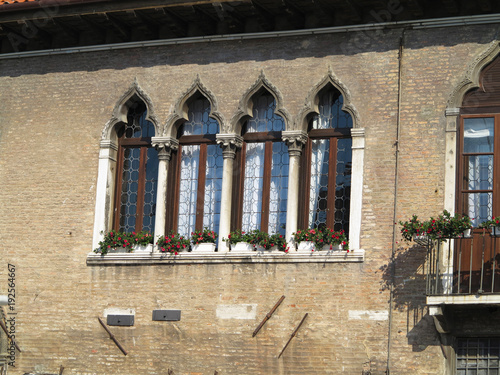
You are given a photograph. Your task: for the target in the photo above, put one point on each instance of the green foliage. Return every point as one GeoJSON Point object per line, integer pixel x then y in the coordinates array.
{"type": "Point", "coordinates": [114, 239]}
{"type": "Point", "coordinates": [322, 237]}
{"type": "Point", "coordinates": [204, 236]}
{"type": "Point", "coordinates": [440, 228]}
{"type": "Point", "coordinates": [237, 236]}
{"type": "Point", "coordinates": [172, 243]}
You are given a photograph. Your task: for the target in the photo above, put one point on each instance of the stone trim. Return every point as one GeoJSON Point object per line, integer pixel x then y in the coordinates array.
{"type": "Point", "coordinates": [93, 259]}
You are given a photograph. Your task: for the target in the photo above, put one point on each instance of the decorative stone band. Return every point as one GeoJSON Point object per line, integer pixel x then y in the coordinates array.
{"type": "Point", "coordinates": [295, 140]}
{"type": "Point", "coordinates": [229, 144]}
{"type": "Point", "coordinates": [165, 145]}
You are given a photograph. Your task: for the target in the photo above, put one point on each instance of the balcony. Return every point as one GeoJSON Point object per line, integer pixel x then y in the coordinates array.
{"type": "Point", "coordinates": [463, 271]}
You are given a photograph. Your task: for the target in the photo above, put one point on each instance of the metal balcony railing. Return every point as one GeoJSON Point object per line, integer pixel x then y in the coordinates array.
{"type": "Point", "coordinates": [466, 266]}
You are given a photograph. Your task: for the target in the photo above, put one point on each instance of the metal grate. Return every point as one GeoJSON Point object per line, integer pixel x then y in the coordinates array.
{"type": "Point", "coordinates": [478, 356]}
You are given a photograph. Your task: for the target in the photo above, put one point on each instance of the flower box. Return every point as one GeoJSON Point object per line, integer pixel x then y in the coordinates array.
{"type": "Point", "coordinates": [241, 247]}
{"type": "Point", "coordinates": [305, 246]}
{"type": "Point", "coordinates": [142, 248]}
{"type": "Point", "coordinates": [118, 250]}
{"type": "Point", "coordinates": [204, 247]}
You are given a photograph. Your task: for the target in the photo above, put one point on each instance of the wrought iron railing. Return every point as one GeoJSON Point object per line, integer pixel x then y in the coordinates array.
{"type": "Point", "coordinates": [463, 265]}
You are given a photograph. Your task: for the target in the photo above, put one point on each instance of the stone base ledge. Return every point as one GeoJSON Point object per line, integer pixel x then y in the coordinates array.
{"type": "Point", "coordinates": [144, 258]}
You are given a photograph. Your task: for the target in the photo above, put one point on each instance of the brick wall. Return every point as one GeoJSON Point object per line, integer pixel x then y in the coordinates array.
{"type": "Point", "coordinates": [52, 114]}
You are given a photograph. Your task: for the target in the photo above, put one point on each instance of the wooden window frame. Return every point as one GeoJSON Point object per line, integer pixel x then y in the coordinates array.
{"type": "Point", "coordinates": [333, 135]}
{"type": "Point", "coordinates": [144, 144]}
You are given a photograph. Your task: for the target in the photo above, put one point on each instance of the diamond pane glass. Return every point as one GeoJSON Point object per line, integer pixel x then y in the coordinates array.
{"type": "Point", "coordinates": [479, 207]}
{"type": "Point", "coordinates": [188, 187]}
{"type": "Point", "coordinates": [199, 122]}
{"type": "Point", "coordinates": [213, 188]}
{"type": "Point", "coordinates": [343, 184]}
{"type": "Point", "coordinates": [137, 126]}
{"type": "Point", "coordinates": [331, 115]}
{"type": "Point", "coordinates": [478, 172]}
{"type": "Point", "coordinates": [264, 119]}
{"type": "Point", "coordinates": [252, 189]}
{"type": "Point", "coordinates": [148, 219]}
{"type": "Point", "coordinates": [279, 188]}
{"type": "Point", "coordinates": [320, 154]}
{"type": "Point", "coordinates": [130, 175]}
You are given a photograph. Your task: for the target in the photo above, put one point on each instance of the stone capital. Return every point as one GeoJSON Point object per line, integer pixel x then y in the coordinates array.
{"type": "Point", "coordinates": [164, 145]}
{"type": "Point", "coordinates": [229, 144]}
{"type": "Point", "coordinates": [295, 140]}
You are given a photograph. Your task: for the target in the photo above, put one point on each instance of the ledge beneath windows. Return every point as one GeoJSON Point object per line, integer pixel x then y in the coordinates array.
{"type": "Point", "coordinates": [144, 258]}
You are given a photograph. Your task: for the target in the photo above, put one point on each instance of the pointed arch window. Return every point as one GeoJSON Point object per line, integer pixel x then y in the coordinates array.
{"type": "Point", "coordinates": [137, 173]}
{"type": "Point", "coordinates": [263, 187]}
{"type": "Point", "coordinates": [197, 173]}
{"type": "Point", "coordinates": [327, 162]}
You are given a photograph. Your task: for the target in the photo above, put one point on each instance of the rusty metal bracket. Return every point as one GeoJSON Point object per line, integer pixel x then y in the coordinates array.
{"type": "Point", "coordinates": [268, 316]}
{"type": "Point", "coordinates": [112, 337]}
{"type": "Point", "coordinates": [293, 334]}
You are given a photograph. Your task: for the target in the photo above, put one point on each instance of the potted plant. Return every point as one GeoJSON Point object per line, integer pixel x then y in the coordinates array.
{"type": "Point", "coordinates": [204, 241]}
{"type": "Point", "coordinates": [239, 241]}
{"type": "Point", "coordinates": [115, 242]}
{"type": "Point", "coordinates": [142, 241]}
{"type": "Point", "coordinates": [335, 240]}
{"type": "Point", "coordinates": [259, 240]}
{"type": "Point", "coordinates": [278, 241]}
{"type": "Point", "coordinates": [172, 243]}
{"type": "Point", "coordinates": [494, 224]}
{"type": "Point", "coordinates": [306, 239]}
{"type": "Point", "coordinates": [440, 228]}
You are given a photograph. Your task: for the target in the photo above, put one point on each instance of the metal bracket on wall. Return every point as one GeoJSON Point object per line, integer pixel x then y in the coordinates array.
{"type": "Point", "coordinates": [112, 337]}
{"type": "Point", "coordinates": [268, 316]}
{"type": "Point", "coordinates": [293, 334]}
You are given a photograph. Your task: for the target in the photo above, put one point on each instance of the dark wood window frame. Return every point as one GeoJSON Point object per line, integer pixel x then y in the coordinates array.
{"type": "Point", "coordinates": [174, 178]}
{"type": "Point", "coordinates": [333, 135]}
{"type": "Point", "coordinates": [123, 143]}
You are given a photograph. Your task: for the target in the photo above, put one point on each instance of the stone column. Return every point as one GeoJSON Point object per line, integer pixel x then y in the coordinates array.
{"type": "Point", "coordinates": [358, 152]}
{"type": "Point", "coordinates": [164, 145]}
{"type": "Point", "coordinates": [229, 144]}
{"type": "Point", "coordinates": [295, 140]}
{"type": "Point", "coordinates": [104, 191]}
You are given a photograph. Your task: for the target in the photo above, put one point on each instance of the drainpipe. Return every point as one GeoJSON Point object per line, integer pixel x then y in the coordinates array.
{"type": "Point", "coordinates": [392, 268]}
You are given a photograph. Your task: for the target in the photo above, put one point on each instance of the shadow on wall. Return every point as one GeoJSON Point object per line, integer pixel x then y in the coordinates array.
{"type": "Point", "coordinates": [405, 273]}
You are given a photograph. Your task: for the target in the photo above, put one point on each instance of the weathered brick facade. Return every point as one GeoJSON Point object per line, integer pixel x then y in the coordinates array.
{"type": "Point", "coordinates": [53, 111]}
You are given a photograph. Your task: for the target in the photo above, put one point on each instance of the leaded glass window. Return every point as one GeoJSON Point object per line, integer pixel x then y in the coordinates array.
{"type": "Point", "coordinates": [200, 171]}
{"type": "Point", "coordinates": [137, 175]}
{"type": "Point", "coordinates": [265, 164]}
{"type": "Point", "coordinates": [327, 165]}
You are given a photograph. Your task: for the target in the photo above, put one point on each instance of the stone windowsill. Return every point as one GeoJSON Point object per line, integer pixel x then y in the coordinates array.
{"type": "Point", "coordinates": [144, 258]}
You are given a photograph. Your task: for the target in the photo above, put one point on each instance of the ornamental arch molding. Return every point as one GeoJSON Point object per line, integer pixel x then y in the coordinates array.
{"type": "Point", "coordinates": [245, 107]}
{"type": "Point", "coordinates": [472, 75]}
{"type": "Point", "coordinates": [180, 113]}
{"type": "Point", "coordinates": [311, 103]}
{"type": "Point", "coordinates": [134, 94]}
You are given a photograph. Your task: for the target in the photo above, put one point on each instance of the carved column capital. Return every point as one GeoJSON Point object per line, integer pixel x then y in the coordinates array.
{"type": "Point", "coordinates": [295, 140]}
{"type": "Point", "coordinates": [229, 144]}
{"type": "Point", "coordinates": [165, 145]}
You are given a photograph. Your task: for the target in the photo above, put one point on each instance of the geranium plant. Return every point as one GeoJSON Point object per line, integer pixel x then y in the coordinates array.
{"type": "Point", "coordinates": [237, 236]}
{"type": "Point", "coordinates": [172, 243]}
{"type": "Point", "coordinates": [259, 238]}
{"type": "Point", "coordinates": [322, 237]}
{"type": "Point", "coordinates": [440, 228]}
{"type": "Point", "coordinates": [204, 236]}
{"type": "Point", "coordinates": [494, 222]}
{"type": "Point", "coordinates": [279, 241]}
{"type": "Point", "coordinates": [114, 240]}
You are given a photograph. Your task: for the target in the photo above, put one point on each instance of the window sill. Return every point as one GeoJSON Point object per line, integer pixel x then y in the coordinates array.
{"type": "Point", "coordinates": [144, 258]}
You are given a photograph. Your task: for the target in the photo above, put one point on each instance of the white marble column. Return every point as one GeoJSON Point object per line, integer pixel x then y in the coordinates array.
{"type": "Point", "coordinates": [358, 152]}
{"type": "Point", "coordinates": [164, 145]}
{"type": "Point", "coordinates": [104, 191]}
{"type": "Point", "coordinates": [229, 144]}
{"type": "Point", "coordinates": [295, 140]}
